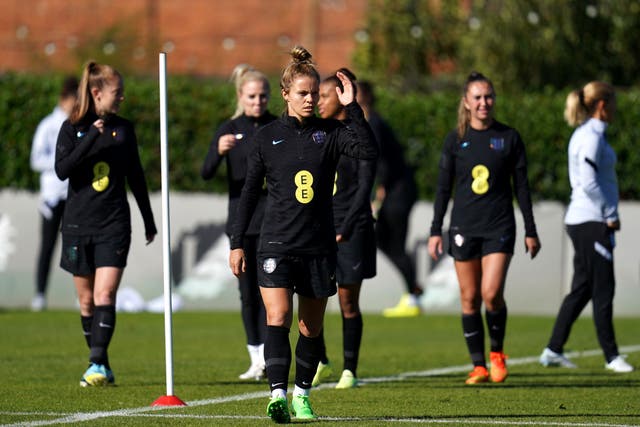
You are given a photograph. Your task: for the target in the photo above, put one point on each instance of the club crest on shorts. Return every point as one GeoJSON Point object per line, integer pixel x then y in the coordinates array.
{"type": "Point", "coordinates": [458, 239]}
{"type": "Point", "coordinates": [269, 265]}
{"type": "Point", "coordinates": [319, 137]}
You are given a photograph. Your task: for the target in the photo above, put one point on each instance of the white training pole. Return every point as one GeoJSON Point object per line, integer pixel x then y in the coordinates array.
{"type": "Point", "coordinates": [166, 244]}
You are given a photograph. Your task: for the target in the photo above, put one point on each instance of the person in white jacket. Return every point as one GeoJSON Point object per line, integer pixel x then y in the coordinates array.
{"type": "Point", "coordinates": [592, 221]}
{"type": "Point", "coordinates": [53, 192]}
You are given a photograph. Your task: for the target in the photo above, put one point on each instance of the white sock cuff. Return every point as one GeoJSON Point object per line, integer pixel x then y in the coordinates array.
{"type": "Point", "coordinates": [299, 391]}
{"type": "Point", "coordinates": [279, 392]}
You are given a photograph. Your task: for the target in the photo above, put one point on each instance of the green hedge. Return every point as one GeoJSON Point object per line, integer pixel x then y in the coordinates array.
{"type": "Point", "coordinates": [421, 121]}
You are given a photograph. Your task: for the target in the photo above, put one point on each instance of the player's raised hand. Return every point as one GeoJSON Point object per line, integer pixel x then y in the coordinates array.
{"type": "Point", "coordinates": [347, 95]}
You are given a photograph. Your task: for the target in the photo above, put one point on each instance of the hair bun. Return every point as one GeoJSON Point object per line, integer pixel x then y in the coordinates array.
{"type": "Point", "coordinates": [300, 55]}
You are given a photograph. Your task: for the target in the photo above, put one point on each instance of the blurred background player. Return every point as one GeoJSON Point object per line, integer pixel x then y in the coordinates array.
{"type": "Point", "coordinates": [355, 235]}
{"type": "Point", "coordinates": [297, 154]}
{"type": "Point", "coordinates": [394, 197]}
{"type": "Point", "coordinates": [480, 158]}
{"type": "Point", "coordinates": [53, 191]}
{"type": "Point", "coordinates": [233, 142]}
{"type": "Point", "coordinates": [592, 221]}
{"type": "Point", "coordinates": [97, 151]}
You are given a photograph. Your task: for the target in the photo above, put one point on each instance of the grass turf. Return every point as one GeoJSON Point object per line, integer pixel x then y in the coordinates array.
{"type": "Point", "coordinates": [43, 355]}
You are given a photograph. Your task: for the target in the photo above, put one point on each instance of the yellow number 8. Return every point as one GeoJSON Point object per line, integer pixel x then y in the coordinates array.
{"type": "Point", "coordinates": [480, 184]}
{"type": "Point", "coordinates": [100, 176]}
{"type": "Point", "coordinates": [304, 191]}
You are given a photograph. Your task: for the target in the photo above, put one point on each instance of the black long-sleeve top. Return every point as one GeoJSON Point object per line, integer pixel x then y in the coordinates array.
{"type": "Point", "coordinates": [236, 160]}
{"type": "Point", "coordinates": [98, 165]}
{"type": "Point", "coordinates": [352, 195]}
{"type": "Point", "coordinates": [393, 173]}
{"type": "Point", "coordinates": [482, 165]}
{"type": "Point", "coordinates": [299, 162]}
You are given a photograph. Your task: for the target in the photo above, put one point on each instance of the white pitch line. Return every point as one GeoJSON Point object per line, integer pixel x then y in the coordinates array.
{"type": "Point", "coordinates": [465, 368]}
{"type": "Point", "coordinates": [144, 411]}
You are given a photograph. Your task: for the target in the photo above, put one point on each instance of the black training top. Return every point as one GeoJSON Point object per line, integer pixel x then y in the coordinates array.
{"type": "Point", "coordinates": [299, 162]}
{"type": "Point", "coordinates": [393, 172]}
{"type": "Point", "coordinates": [482, 166]}
{"type": "Point", "coordinates": [236, 160]}
{"type": "Point", "coordinates": [352, 195]}
{"type": "Point", "coordinates": [98, 165]}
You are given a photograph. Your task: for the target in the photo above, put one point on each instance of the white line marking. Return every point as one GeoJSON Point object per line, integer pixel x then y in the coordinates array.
{"type": "Point", "coordinates": [148, 411]}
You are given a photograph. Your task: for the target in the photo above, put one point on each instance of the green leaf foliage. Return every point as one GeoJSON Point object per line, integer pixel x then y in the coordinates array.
{"type": "Point", "coordinates": [196, 107]}
{"type": "Point", "coordinates": [527, 44]}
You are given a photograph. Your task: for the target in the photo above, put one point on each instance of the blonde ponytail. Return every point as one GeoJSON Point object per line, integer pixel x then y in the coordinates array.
{"type": "Point", "coordinates": [94, 75]}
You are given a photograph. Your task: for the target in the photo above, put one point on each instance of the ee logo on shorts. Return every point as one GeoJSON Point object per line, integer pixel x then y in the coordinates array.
{"type": "Point", "coordinates": [100, 176]}
{"type": "Point", "coordinates": [480, 184]}
{"type": "Point", "coordinates": [304, 191]}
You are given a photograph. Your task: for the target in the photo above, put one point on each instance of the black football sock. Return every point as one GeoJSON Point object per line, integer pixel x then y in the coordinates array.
{"type": "Point", "coordinates": [87, 321]}
{"type": "Point", "coordinates": [103, 326]}
{"type": "Point", "coordinates": [473, 330]}
{"type": "Point", "coordinates": [351, 339]}
{"type": "Point", "coordinates": [497, 325]}
{"type": "Point", "coordinates": [307, 358]}
{"type": "Point", "coordinates": [277, 356]}
{"type": "Point", "coordinates": [322, 348]}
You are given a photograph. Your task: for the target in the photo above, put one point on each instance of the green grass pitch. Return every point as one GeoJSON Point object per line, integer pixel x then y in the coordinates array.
{"type": "Point", "coordinates": [412, 373]}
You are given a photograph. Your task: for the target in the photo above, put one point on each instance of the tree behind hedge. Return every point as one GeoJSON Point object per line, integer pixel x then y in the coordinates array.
{"type": "Point", "coordinates": [526, 44]}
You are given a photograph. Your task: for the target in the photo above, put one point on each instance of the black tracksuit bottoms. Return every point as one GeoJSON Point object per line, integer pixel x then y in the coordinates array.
{"type": "Point", "coordinates": [49, 232]}
{"type": "Point", "coordinates": [593, 280]}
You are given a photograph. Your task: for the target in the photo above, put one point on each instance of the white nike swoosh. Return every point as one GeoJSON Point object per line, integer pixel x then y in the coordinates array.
{"type": "Point", "coordinates": [357, 266]}
{"type": "Point", "coordinates": [470, 334]}
{"type": "Point", "coordinates": [274, 385]}
{"type": "Point", "coordinates": [104, 325]}
{"type": "Point", "coordinates": [277, 142]}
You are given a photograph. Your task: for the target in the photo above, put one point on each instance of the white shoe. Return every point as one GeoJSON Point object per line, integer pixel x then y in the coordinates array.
{"type": "Point", "coordinates": [255, 372]}
{"type": "Point", "coordinates": [38, 303]}
{"type": "Point", "coordinates": [619, 365]}
{"type": "Point", "coordinates": [551, 358]}
{"type": "Point", "coordinates": [323, 372]}
{"type": "Point", "coordinates": [347, 380]}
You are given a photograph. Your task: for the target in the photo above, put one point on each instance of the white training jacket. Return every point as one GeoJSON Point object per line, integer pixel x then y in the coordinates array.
{"type": "Point", "coordinates": [43, 156]}
{"type": "Point", "coordinates": [594, 186]}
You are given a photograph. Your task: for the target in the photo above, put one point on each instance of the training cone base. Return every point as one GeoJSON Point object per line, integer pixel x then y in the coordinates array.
{"type": "Point", "coordinates": [168, 401]}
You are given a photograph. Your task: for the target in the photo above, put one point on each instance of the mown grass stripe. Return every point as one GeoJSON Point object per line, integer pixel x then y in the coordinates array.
{"type": "Point", "coordinates": [148, 411]}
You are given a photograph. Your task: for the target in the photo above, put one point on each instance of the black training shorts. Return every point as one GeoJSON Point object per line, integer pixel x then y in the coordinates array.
{"type": "Point", "coordinates": [81, 255]}
{"type": "Point", "coordinates": [464, 248]}
{"type": "Point", "coordinates": [312, 276]}
{"type": "Point", "coordinates": [356, 259]}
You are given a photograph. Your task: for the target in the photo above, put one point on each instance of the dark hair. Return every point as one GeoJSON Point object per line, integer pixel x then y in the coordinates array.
{"type": "Point", "coordinates": [463, 113]}
{"type": "Point", "coordinates": [300, 65]}
{"type": "Point", "coordinates": [367, 95]}
{"type": "Point", "coordinates": [333, 78]}
{"type": "Point", "coordinates": [69, 87]}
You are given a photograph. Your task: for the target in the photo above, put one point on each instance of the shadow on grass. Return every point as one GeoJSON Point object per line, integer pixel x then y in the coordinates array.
{"type": "Point", "coordinates": [558, 379]}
